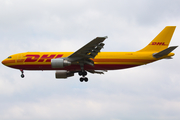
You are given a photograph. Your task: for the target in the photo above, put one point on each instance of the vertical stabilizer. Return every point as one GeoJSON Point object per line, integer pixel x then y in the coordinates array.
{"type": "Point", "coordinates": [161, 41]}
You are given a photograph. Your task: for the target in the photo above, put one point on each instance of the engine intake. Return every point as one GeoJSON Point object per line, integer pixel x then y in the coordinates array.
{"type": "Point", "coordinates": [59, 63]}
{"type": "Point", "coordinates": [63, 74]}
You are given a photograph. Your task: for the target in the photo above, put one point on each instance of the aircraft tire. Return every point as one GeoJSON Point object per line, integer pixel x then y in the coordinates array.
{"type": "Point", "coordinates": [86, 79]}
{"type": "Point", "coordinates": [84, 73]}
{"type": "Point", "coordinates": [22, 75]}
{"type": "Point", "coordinates": [81, 79]}
{"type": "Point", "coordinates": [80, 73]}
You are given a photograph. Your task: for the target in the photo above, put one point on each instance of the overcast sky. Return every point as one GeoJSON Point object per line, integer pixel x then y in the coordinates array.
{"type": "Point", "coordinates": [142, 93]}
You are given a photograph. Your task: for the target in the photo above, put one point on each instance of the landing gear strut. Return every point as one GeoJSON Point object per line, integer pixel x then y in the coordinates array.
{"type": "Point", "coordinates": [22, 73]}
{"type": "Point", "coordinates": [83, 73]}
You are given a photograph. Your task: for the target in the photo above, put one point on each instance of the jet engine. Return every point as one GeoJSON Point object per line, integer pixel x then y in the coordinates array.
{"type": "Point", "coordinates": [59, 63]}
{"type": "Point", "coordinates": [63, 74]}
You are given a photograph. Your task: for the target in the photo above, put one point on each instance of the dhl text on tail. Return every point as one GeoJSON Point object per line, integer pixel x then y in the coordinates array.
{"type": "Point", "coordinates": [90, 59]}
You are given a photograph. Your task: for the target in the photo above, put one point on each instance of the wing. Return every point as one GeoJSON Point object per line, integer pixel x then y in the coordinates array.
{"type": "Point", "coordinates": [90, 50]}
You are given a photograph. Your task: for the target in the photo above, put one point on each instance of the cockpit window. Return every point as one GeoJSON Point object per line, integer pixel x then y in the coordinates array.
{"type": "Point", "coordinates": [9, 57]}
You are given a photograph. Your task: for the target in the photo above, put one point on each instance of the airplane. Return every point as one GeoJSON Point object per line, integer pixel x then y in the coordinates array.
{"type": "Point", "coordinates": [90, 59]}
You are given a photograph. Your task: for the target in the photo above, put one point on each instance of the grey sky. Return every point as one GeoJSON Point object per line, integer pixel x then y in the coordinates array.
{"type": "Point", "coordinates": [146, 92]}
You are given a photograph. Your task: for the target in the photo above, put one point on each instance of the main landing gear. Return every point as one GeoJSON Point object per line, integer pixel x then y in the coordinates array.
{"type": "Point", "coordinates": [83, 73]}
{"type": "Point", "coordinates": [22, 73]}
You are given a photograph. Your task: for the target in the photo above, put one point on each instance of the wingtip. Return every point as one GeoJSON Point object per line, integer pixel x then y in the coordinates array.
{"type": "Point", "coordinates": [105, 37]}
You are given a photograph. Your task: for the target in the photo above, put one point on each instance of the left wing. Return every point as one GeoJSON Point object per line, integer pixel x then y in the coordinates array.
{"type": "Point", "coordinates": [88, 51]}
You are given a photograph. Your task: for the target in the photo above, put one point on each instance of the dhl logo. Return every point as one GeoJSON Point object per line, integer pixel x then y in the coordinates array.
{"type": "Point", "coordinates": [43, 58]}
{"type": "Point", "coordinates": [158, 43]}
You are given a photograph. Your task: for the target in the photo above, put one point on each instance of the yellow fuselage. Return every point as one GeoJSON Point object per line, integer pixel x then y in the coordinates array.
{"type": "Point", "coordinates": [103, 61]}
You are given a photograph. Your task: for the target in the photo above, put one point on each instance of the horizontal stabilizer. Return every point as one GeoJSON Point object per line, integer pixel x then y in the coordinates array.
{"type": "Point", "coordinates": [164, 52]}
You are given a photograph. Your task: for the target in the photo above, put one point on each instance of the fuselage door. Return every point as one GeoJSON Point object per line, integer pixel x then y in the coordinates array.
{"type": "Point", "coordinates": [20, 58]}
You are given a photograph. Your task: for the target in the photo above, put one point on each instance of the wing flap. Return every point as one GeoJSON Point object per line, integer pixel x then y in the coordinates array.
{"type": "Point", "coordinates": [97, 71]}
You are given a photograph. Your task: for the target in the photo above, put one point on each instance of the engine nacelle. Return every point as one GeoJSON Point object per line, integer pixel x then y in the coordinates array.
{"type": "Point", "coordinates": [59, 63]}
{"type": "Point", "coordinates": [63, 74]}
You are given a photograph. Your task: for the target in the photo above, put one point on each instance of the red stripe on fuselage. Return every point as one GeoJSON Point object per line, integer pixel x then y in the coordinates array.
{"type": "Point", "coordinates": [74, 67]}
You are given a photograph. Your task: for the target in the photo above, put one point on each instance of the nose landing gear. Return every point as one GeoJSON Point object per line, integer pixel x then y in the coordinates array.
{"type": "Point", "coordinates": [22, 73]}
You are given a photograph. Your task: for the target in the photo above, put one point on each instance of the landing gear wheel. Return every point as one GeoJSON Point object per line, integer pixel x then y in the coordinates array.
{"type": "Point", "coordinates": [22, 75]}
{"type": "Point", "coordinates": [82, 73]}
{"type": "Point", "coordinates": [81, 79]}
{"type": "Point", "coordinates": [86, 79]}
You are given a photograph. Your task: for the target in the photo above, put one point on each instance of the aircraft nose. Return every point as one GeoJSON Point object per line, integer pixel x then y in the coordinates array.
{"type": "Point", "coordinates": [8, 62]}
{"type": "Point", "coordinates": [3, 62]}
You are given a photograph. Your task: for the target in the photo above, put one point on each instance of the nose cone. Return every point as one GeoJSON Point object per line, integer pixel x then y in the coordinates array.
{"type": "Point", "coordinates": [4, 62]}
{"type": "Point", "coordinates": [8, 62]}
